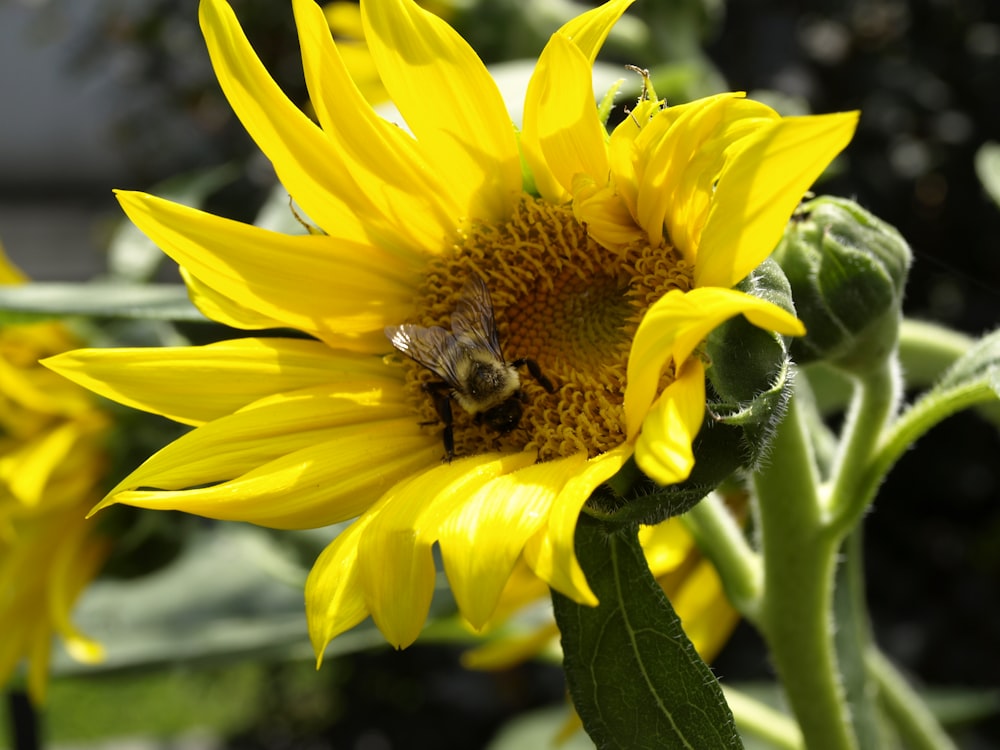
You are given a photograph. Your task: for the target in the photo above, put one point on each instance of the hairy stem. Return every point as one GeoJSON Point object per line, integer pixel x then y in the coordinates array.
{"type": "Point", "coordinates": [799, 564]}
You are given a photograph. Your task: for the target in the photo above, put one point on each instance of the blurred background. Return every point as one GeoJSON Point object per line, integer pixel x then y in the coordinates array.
{"type": "Point", "coordinates": [102, 94]}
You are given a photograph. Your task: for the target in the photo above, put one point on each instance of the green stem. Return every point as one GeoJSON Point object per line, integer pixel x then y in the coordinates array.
{"type": "Point", "coordinates": [926, 350]}
{"type": "Point", "coordinates": [799, 563]}
{"type": "Point", "coordinates": [759, 719]}
{"type": "Point", "coordinates": [876, 398]}
{"type": "Point", "coordinates": [853, 639]}
{"type": "Point", "coordinates": [908, 712]}
{"type": "Point", "coordinates": [723, 541]}
{"type": "Point", "coordinates": [916, 421]}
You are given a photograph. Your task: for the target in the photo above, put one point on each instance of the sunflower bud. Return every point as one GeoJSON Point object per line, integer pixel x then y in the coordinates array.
{"type": "Point", "coordinates": [847, 269]}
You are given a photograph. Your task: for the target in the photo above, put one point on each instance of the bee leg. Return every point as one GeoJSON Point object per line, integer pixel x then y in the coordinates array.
{"type": "Point", "coordinates": [441, 395]}
{"type": "Point", "coordinates": [536, 373]}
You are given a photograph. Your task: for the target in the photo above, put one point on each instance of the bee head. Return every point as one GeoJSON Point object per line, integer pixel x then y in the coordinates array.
{"type": "Point", "coordinates": [504, 417]}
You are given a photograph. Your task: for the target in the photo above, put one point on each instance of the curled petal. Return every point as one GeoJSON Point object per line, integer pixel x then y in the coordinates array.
{"type": "Point", "coordinates": [675, 324]}
{"type": "Point", "coordinates": [663, 450]}
{"type": "Point", "coordinates": [605, 215]}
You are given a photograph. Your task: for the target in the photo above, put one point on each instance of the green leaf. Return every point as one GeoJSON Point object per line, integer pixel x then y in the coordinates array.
{"type": "Point", "coordinates": [635, 678]}
{"type": "Point", "coordinates": [979, 365]}
{"type": "Point", "coordinates": [40, 301]}
{"type": "Point", "coordinates": [852, 639]}
{"type": "Point", "coordinates": [988, 169]}
{"type": "Point", "coordinates": [234, 593]}
{"type": "Point", "coordinates": [973, 381]}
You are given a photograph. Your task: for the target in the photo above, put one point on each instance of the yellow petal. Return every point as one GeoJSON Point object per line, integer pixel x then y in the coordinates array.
{"type": "Point", "coordinates": [326, 483]}
{"type": "Point", "coordinates": [222, 309]}
{"type": "Point", "coordinates": [560, 119]}
{"type": "Point", "coordinates": [451, 104]}
{"type": "Point", "coordinates": [675, 324]}
{"type": "Point", "coordinates": [482, 539]}
{"type": "Point", "coordinates": [604, 213]}
{"type": "Point", "coordinates": [39, 392]}
{"type": "Point", "coordinates": [551, 552]}
{"type": "Point", "coordinates": [265, 430]}
{"type": "Point", "coordinates": [663, 450]}
{"type": "Point", "coordinates": [39, 654]}
{"type": "Point", "coordinates": [9, 273]}
{"type": "Point", "coordinates": [706, 615]}
{"type": "Point", "coordinates": [344, 19]}
{"type": "Point", "coordinates": [589, 30]}
{"type": "Point", "coordinates": [332, 289]}
{"type": "Point", "coordinates": [36, 461]}
{"type": "Point", "coordinates": [626, 159]}
{"type": "Point", "coordinates": [510, 651]}
{"type": "Point", "coordinates": [678, 170]}
{"type": "Point", "coordinates": [75, 563]}
{"type": "Point", "coordinates": [523, 589]}
{"type": "Point", "coordinates": [404, 189]}
{"type": "Point", "coordinates": [666, 546]}
{"type": "Point", "coordinates": [334, 601]}
{"type": "Point", "coordinates": [758, 191]}
{"type": "Point", "coordinates": [196, 384]}
{"type": "Point", "coordinates": [360, 66]}
{"type": "Point", "coordinates": [301, 154]}
{"type": "Point", "coordinates": [400, 537]}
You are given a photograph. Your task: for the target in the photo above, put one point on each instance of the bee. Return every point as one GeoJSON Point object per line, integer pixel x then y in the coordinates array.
{"type": "Point", "coordinates": [470, 363]}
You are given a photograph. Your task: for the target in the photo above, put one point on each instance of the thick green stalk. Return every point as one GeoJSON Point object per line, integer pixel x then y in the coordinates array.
{"type": "Point", "coordinates": [799, 564]}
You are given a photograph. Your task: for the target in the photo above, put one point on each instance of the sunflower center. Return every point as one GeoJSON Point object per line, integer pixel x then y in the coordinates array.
{"type": "Point", "coordinates": [561, 300]}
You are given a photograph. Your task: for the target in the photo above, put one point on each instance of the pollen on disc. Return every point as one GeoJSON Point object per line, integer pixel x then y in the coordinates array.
{"type": "Point", "coordinates": [562, 300]}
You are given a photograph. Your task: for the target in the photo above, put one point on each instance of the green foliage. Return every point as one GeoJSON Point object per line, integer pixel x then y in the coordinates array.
{"type": "Point", "coordinates": [46, 301]}
{"type": "Point", "coordinates": [636, 679]}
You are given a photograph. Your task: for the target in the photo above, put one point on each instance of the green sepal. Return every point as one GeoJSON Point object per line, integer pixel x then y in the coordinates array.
{"type": "Point", "coordinates": [42, 301]}
{"type": "Point", "coordinates": [750, 375]}
{"type": "Point", "coordinates": [635, 678]}
{"type": "Point", "coordinates": [847, 269]}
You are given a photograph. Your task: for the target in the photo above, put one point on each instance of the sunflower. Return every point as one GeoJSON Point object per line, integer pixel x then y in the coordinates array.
{"type": "Point", "coordinates": [52, 461]}
{"type": "Point", "coordinates": [608, 257]}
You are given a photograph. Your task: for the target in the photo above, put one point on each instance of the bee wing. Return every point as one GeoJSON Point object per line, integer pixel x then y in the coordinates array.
{"type": "Point", "coordinates": [473, 318]}
{"type": "Point", "coordinates": [434, 348]}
